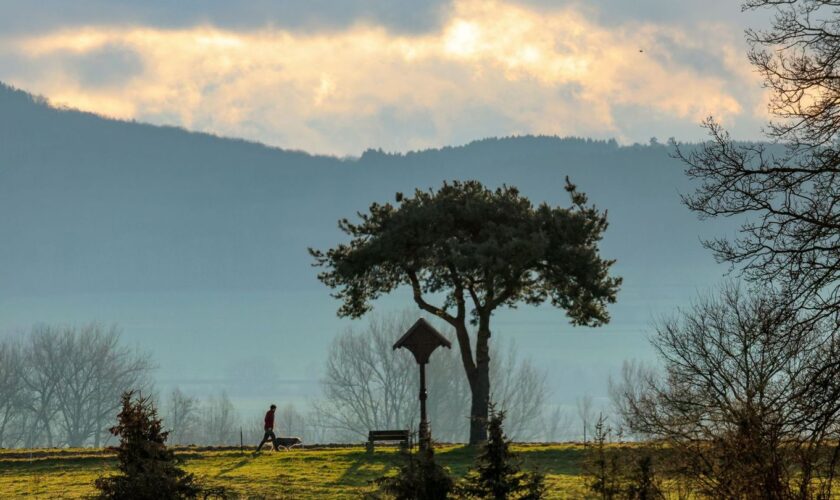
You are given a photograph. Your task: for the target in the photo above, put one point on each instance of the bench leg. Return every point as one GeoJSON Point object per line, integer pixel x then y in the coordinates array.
{"type": "Point", "coordinates": [369, 447]}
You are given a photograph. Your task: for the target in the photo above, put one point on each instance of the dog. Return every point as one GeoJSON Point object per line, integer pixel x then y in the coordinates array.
{"type": "Point", "coordinates": [287, 442]}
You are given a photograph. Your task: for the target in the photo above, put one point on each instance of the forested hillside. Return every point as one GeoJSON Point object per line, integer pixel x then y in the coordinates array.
{"type": "Point", "coordinates": [96, 205]}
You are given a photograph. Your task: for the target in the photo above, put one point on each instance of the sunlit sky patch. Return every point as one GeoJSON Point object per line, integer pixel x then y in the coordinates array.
{"type": "Point", "coordinates": [339, 81]}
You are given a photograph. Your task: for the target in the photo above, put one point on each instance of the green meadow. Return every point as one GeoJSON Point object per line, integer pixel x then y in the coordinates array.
{"type": "Point", "coordinates": [341, 472]}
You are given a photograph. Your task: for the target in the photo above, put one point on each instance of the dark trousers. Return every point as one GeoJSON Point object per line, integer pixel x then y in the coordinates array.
{"type": "Point", "coordinates": [269, 436]}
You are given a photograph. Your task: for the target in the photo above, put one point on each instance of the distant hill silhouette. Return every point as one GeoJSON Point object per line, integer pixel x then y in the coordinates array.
{"type": "Point", "coordinates": [89, 204]}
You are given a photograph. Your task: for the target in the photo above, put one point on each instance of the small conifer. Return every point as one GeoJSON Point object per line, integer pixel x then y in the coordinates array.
{"type": "Point", "coordinates": [147, 469]}
{"type": "Point", "coordinates": [497, 474]}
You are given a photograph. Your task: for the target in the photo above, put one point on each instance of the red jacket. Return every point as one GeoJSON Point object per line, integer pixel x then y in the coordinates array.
{"type": "Point", "coordinates": [269, 419]}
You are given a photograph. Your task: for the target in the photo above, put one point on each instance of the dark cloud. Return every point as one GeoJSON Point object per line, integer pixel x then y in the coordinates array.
{"type": "Point", "coordinates": [405, 16]}
{"type": "Point", "coordinates": [706, 61]}
{"type": "Point", "coordinates": [615, 12]}
{"type": "Point", "coordinates": [21, 16]}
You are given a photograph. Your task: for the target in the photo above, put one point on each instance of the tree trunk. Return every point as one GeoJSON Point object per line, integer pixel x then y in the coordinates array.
{"type": "Point", "coordinates": [48, 431]}
{"type": "Point", "coordinates": [6, 418]}
{"type": "Point", "coordinates": [481, 387]}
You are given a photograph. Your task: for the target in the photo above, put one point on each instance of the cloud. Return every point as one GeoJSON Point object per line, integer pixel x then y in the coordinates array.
{"type": "Point", "coordinates": [490, 68]}
{"type": "Point", "coordinates": [405, 16]}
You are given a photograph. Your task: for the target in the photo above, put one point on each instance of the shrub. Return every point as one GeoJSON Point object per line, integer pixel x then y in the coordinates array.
{"type": "Point", "coordinates": [643, 484]}
{"type": "Point", "coordinates": [619, 472]}
{"type": "Point", "coordinates": [419, 478]}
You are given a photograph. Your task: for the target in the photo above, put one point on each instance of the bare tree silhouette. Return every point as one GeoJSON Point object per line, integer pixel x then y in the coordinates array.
{"type": "Point", "coordinates": [368, 385]}
{"type": "Point", "coordinates": [749, 400]}
{"type": "Point", "coordinates": [790, 199]}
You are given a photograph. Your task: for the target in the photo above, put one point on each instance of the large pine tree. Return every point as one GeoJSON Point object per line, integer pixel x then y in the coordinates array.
{"type": "Point", "coordinates": [474, 250]}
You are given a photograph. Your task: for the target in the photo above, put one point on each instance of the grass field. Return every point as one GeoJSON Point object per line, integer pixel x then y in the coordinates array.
{"type": "Point", "coordinates": [309, 473]}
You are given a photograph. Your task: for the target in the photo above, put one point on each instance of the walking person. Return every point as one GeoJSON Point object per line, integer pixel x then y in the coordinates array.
{"type": "Point", "coordinates": [269, 429]}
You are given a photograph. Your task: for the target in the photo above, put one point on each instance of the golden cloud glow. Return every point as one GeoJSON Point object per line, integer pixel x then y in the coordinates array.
{"type": "Point", "coordinates": [493, 68]}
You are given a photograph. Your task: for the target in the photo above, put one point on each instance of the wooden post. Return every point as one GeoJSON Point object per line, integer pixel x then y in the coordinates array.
{"type": "Point", "coordinates": [423, 433]}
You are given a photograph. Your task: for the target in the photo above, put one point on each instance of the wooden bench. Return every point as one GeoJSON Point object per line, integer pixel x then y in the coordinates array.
{"type": "Point", "coordinates": [403, 436]}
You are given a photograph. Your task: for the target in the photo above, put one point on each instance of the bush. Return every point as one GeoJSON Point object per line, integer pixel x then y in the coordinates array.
{"type": "Point", "coordinates": [419, 478]}
{"type": "Point", "coordinates": [147, 469]}
{"type": "Point", "coordinates": [643, 484]}
{"type": "Point", "coordinates": [619, 472]}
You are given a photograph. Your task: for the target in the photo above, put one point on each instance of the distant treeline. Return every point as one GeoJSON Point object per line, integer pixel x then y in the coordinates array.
{"type": "Point", "coordinates": [60, 386]}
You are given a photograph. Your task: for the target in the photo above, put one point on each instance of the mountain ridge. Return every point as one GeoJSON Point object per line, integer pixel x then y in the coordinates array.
{"type": "Point", "coordinates": [10, 93]}
{"type": "Point", "coordinates": [97, 204]}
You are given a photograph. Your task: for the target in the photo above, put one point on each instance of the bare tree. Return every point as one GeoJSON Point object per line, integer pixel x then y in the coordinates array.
{"type": "Point", "coordinates": [290, 422]}
{"type": "Point", "coordinates": [13, 395]}
{"type": "Point", "coordinates": [368, 386]}
{"type": "Point", "coordinates": [182, 417]}
{"type": "Point", "coordinates": [41, 375]}
{"type": "Point", "coordinates": [750, 397]}
{"type": "Point", "coordinates": [449, 416]}
{"type": "Point", "coordinates": [585, 414]}
{"type": "Point", "coordinates": [62, 385]}
{"type": "Point", "coordinates": [317, 428]}
{"type": "Point", "coordinates": [790, 198]}
{"type": "Point", "coordinates": [556, 424]}
{"type": "Point", "coordinates": [252, 428]}
{"type": "Point", "coordinates": [94, 371]}
{"type": "Point", "coordinates": [221, 422]}
{"type": "Point", "coordinates": [520, 390]}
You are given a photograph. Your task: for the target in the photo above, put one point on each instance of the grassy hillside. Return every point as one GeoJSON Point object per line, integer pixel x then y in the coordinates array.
{"type": "Point", "coordinates": [311, 473]}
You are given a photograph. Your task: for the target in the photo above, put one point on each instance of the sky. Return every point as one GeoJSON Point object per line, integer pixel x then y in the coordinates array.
{"type": "Point", "coordinates": [339, 77]}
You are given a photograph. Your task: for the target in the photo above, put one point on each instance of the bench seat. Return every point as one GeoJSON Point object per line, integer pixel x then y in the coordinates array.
{"type": "Point", "coordinates": [403, 436]}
